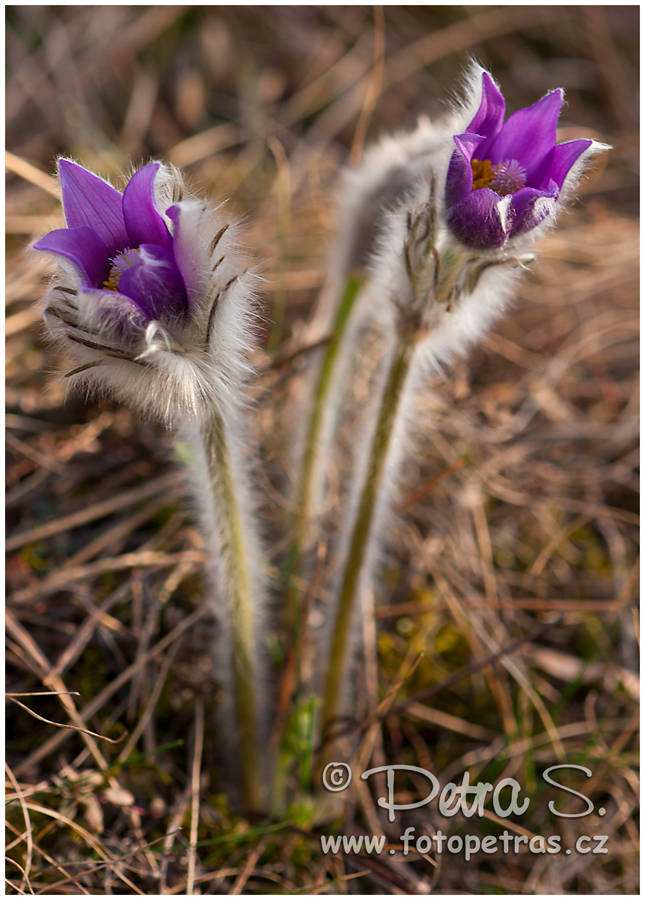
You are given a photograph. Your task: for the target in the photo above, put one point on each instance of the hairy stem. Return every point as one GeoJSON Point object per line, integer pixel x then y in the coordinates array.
{"type": "Point", "coordinates": [313, 454]}
{"type": "Point", "coordinates": [236, 563]}
{"type": "Point", "coordinates": [363, 530]}
{"type": "Point", "coordinates": [310, 475]}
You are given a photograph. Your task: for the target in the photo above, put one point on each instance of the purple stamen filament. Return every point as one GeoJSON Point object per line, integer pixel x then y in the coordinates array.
{"type": "Point", "coordinates": [120, 264]}
{"type": "Point", "coordinates": [507, 177]}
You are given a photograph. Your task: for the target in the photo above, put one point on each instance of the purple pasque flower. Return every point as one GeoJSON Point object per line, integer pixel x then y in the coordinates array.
{"type": "Point", "coordinates": [119, 242]}
{"type": "Point", "coordinates": [153, 300]}
{"type": "Point", "coordinates": [505, 178]}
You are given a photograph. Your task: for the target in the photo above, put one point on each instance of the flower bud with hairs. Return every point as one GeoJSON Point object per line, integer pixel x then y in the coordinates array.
{"type": "Point", "coordinates": [505, 179]}
{"type": "Point", "coordinates": [152, 300]}
{"type": "Point", "coordinates": [155, 304]}
{"type": "Point", "coordinates": [444, 269]}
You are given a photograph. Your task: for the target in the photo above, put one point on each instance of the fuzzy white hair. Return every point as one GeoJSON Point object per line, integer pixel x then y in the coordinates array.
{"type": "Point", "coordinates": [464, 106]}
{"type": "Point", "coordinates": [190, 371]}
{"type": "Point", "coordinates": [365, 196]}
{"type": "Point", "coordinates": [424, 282]}
{"type": "Point", "coordinates": [178, 366]}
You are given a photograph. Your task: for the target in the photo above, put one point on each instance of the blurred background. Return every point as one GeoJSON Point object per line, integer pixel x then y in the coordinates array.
{"type": "Point", "coordinates": [229, 92]}
{"type": "Point", "coordinates": [531, 447]}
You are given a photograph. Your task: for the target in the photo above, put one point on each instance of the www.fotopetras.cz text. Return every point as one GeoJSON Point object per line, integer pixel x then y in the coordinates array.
{"type": "Point", "coordinates": [469, 844]}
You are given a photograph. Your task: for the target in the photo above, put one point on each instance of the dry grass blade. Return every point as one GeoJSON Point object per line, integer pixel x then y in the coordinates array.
{"type": "Point", "coordinates": [570, 668]}
{"type": "Point", "coordinates": [283, 201]}
{"type": "Point", "coordinates": [316, 889]}
{"type": "Point", "coordinates": [429, 486]}
{"type": "Point", "coordinates": [28, 832]}
{"type": "Point", "coordinates": [462, 36]}
{"type": "Point", "coordinates": [114, 686]}
{"type": "Point", "coordinates": [511, 566]}
{"type": "Point", "coordinates": [535, 604]}
{"type": "Point", "coordinates": [99, 867]}
{"type": "Point", "coordinates": [101, 737]}
{"type": "Point", "coordinates": [195, 793]}
{"type": "Point", "coordinates": [151, 704]}
{"type": "Point", "coordinates": [39, 660]}
{"type": "Point", "coordinates": [174, 827]}
{"type": "Point", "coordinates": [43, 694]}
{"type": "Point", "coordinates": [147, 558]}
{"type": "Point", "coordinates": [84, 633]}
{"type": "Point", "coordinates": [211, 876]}
{"type": "Point", "coordinates": [249, 865]}
{"type": "Point", "coordinates": [15, 887]}
{"type": "Point", "coordinates": [204, 144]}
{"type": "Point", "coordinates": [30, 173]}
{"type": "Point", "coordinates": [54, 865]}
{"type": "Point", "coordinates": [118, 532]}
{"type": "Point", "coordinates": [37, 457]}
{"type": "Point", "coordinates": [373, 89]}
{"type": "Point", "coordinates": [452, 723]}
{"type": "Point", "coordinates": [97, 511]}
{"type": "Point", "coordinates": [27, 791]}
{"type": "Point", "coordinates": [22, 320]}
{"type": "Point", "coordinates": [480, 664]}
{"type": "Point", "coordinates": [82, 832]}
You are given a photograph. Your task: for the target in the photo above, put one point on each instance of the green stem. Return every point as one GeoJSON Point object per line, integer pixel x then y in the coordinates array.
{"type": "Point", "coordinates": [312, 455]}
{"type": "Point", "coordinates": [363, 529]}
{"type": "Point", "coordinates": [284, 225]}
{"type": "Point", "coordinates": [326, 380]}
{"type": "Point", "coordinates": [311, 462]}
{"type": "Point", "coordinates": [238, 579]}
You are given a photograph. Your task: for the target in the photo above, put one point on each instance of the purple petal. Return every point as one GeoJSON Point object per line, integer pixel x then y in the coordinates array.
{"type": "Point", "coordinates": [90, 201]}
{"type": "Point", "coordinates": [481, 220]}
{"type": "Point", "coordinates": [83, 247]}
{"type": "Point", "coordinates": [143, 220]}
{"type": "Point", "coordinates": [529, 136]}
{"type": "Point", "coordinates": [155, 284]}
{"type": "Point", "coordinates": [532, 207]}
{"type": "Point", "coordinates": [459, 182]}
{"type": "Point", "coordinates": [489, 118]}
{"type": "Point", "coordinates": [561, 160]}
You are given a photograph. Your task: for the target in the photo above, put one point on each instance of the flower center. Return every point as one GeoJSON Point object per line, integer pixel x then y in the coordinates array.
{"type": "Point", "coordinates": [120, 264]}
{"type": "Point", "coordinates": [482, 173]}
{"type": "Point", "coordinates": [507, 177]}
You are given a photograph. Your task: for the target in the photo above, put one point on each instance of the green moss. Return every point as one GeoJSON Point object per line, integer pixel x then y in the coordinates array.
{"type": "Point", "coordinates": [452, 645]}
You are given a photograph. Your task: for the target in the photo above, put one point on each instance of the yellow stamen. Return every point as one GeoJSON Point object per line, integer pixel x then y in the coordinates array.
{"type": "Point", "coordinates": [112, 284]}
{"type": "Point", "coordinates": [482, 173]}
{"type": "Point", "coordinates": [120, 264]}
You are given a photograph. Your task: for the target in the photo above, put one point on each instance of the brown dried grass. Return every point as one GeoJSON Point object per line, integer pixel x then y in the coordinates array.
{"type": "Point", "coordinates": [527, 453]}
